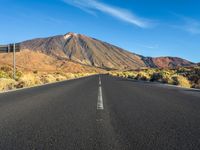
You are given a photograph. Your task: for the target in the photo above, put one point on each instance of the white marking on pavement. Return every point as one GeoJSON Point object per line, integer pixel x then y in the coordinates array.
{"type": "Point", "coordinates": [99, 81]}
{"type": "Point", "coordinates": [100, 97]}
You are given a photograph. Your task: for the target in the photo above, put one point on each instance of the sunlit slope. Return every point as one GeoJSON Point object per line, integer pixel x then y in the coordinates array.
{"type": "Point", "coordinates": [93, 52]}
{"type": "Point", "coordinates": [36, 61]}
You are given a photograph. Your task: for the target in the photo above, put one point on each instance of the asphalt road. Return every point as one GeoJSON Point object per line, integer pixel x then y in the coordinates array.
{"type": "Point", "coordinates": [100, 113]}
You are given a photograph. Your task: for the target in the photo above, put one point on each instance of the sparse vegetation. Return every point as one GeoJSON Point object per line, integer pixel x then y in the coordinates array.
{"type": "Point", "coordinates": [32, 78]}
{"type": "Point", "coordinates": [185, 77]}
{"type": "Point", "coordinates": [181, 81]}
{"type": "Point", "coordinates": [7, 84]}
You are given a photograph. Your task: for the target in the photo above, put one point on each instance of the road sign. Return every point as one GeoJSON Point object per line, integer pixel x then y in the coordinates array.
{"type": "Point", "coordinates": [3, 48]}
{"type": "Point", "coordinates": [11, 48]}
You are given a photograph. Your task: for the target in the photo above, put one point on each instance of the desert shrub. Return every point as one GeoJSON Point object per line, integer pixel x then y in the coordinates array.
{"type": "Point", "coordinates": [197, 71]}
{"type": "Point", "coordinates": [183, 70]}
{"type": "Point", "coordinates": [78, 75]}
{"type": "Point", "coordinates": [7, 72]}
{"type": "Point", "coordinates": [185, 77]}
{"type": "Point", "coordinates": [130, 75]}
{"type": "Point", "coordinates": [4, 74]}
{"type": "Point", "coordinates": [143, 76]}
{"type": "Point", "coordinates": [196, 84]}
{"type": "Point", "coordinates": [6, 68]}
{"type": "Point", "coordinates": [18, 74]}
{"type": "Point", "coordinates": [60, 77]}
{"type": "Point", "coordinates": [150, 72]}
{"type": "Point", "coordinates": [27, 80]}
{"type": "Point", "coordinates": [119, 74]}
{"type": "Point", "coordinates": [112, 73]}
{"type": "Point", "coordinates": [162, 76]}
{"type": "Point", "coordinates": [127, 74]}
{"type": "Point", "coordinates": [193, 77]}
{"type": "Point", "coordinates": [7, 84]}
{"type": "Point", "coordinates": [70, 76]}
{"type": "Point", "coordinates": [181, 81]}
{"type": "Point", "coordinates": [35, 72]}
{"type": "Point", "coordinates": [167, 79]}
{"type": "Point", "coordinates": [48, 78]}
{"type": "Point", "coordinates": [156, 76]}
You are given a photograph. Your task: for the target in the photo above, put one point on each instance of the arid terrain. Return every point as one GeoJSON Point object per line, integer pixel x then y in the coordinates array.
{"type": "Point", "coordinates": [93, 52]}
{"type": "Point", "coordinates": [188, 77]}
{"type": "Point", "coordinates": [36, 68]}
{"type": "Point", "coordinates": [57, 58]}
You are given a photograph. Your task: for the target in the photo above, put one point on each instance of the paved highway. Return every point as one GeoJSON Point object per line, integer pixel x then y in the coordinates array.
{"type": "Point", "coordinates": [100, 113]}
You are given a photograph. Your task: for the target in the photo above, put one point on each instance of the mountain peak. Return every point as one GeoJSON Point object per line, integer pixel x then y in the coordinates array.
{"type": "Point", "coordinates": [87, 51]}
{"type": "Point", "coordinates": [70, 34]}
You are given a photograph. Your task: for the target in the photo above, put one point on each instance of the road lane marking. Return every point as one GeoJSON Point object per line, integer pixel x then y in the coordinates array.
{"type": "Point", "coordinates": [100, 97]}
{"type": "Point", "coordinates": [99, 81]}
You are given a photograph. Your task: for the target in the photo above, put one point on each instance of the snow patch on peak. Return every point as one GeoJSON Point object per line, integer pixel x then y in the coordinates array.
{"type": "Point", "coordinates": [66, 36]}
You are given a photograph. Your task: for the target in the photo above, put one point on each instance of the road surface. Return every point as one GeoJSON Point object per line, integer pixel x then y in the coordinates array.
{"type": "Point", "coordinates": [100, 113]}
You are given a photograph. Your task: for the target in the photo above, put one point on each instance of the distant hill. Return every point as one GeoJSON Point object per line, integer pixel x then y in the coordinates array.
{"type": "Point", "coordinates": [28, 60]}
{"type": "Point", "coordinates": [90, 51]}
{"type": "Point", "coordinates": [166, 62]}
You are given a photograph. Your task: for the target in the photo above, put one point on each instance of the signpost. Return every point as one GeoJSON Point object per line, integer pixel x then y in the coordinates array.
{"type": "Point", "coordinates": [11, 48]}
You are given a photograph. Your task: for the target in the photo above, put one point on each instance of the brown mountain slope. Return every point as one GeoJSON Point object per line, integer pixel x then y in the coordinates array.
{"type": "Point", "coordinates": [166, 62]}
{"type": "Point", "coordinates": [85, 50]}
{"type": "Point", "coordinates": [36, 61]}
{"type": "Point", "coordinates": [93, 52]}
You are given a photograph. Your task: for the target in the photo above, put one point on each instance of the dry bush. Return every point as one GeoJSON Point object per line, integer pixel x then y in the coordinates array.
{"type": "Point", "coordinates": [143, 76]}
{"type": "Point", "coordinates": [59, 76]}
{"type": "Point", "coordinates": [162, 76]}
{"type": "Point", "coordinates": [185, 77]}
{"type": "Point", "coordinates": [32, 78]}
{"type": "Point", "coordinates": [198, 84]}
{"type": "Point", "coordinates": [127, 74]}
{"type": "Point", "coordinates": [6, 68]}
{"type": "Point", "coordinates": [69, 76]}
{"type": "Point", "coordinates": [35, 71]}
{"type": "Point", "coordinates": [48, 78]}
{"type": "Point", "coordinates": [28, 80]}
{"type": "Point", "coordinates": [7, 84]}
{"type": "Point", "coordinates": [181, 81]}
{"type": "Point", "coordinates": [4, 74]}
{"type": "Point", "coordinates": [78, 75]}
{"type": "Point", "coordinates": [150, 72]}
{"type": "Point", "coordinates": [130, 75]}
{"type": "Point", "coordinates": [112, 73]}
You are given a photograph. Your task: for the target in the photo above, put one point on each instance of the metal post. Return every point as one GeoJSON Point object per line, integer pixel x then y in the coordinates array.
{"type": "Point", "coordinates": [14, 62]}
{"type": "Point", "coordinates": [8, 49]}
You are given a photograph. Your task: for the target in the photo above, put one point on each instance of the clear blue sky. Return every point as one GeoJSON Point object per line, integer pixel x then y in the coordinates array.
{"type": "Point", "coordinates": [146, 27]}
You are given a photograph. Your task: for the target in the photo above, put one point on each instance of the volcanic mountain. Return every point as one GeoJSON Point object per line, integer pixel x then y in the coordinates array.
{"type": "Point", "coordinates": [166, 62]}
{"type": "Point", "coordinates": [92, 52]}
